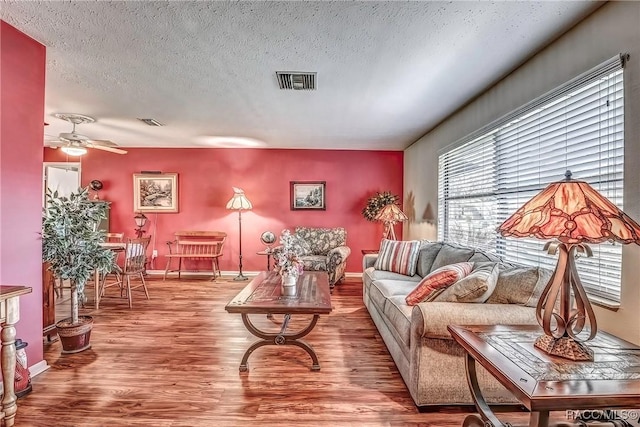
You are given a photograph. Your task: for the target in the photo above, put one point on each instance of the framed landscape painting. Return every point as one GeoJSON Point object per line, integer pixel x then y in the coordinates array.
{"type": "Point", "coordinates": [155, 192]}
{"type": "Point", "coordinates": [308, 195]}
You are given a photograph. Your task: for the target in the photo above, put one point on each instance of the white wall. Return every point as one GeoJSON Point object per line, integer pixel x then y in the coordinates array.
{"type": "Point", "coordinates": [610, 30]}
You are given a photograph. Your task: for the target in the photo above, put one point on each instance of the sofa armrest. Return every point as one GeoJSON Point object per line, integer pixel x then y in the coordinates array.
{"type": "Point", "coordinates": [369, 260]}
{"type": "Point", "coordinates": [339, 254]}
{"type": "Point", "coordinates": [430, 319]}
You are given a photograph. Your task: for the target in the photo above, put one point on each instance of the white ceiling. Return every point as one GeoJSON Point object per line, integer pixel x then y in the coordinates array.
{"type": "Point", "coordinates": [387, 71]}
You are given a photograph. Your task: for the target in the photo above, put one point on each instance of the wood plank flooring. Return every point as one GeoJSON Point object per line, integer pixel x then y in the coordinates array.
{"type": "Point", "coordinates": [173, 361]}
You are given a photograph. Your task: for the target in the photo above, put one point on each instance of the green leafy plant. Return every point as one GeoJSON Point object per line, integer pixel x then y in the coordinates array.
{"type": "Point", "coordinates": [71, 242]}
{"type": "Point", "coordinates": [377, 202]}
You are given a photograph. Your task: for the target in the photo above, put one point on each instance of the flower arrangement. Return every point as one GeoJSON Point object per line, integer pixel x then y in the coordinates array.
{"type": "Point", "coordinates": [287, 260]}
{"type": "Point", "coordinates": [377, 202]}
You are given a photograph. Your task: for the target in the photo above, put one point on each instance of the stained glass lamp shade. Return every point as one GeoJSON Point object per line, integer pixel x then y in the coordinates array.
{"type": "Point", "coordinates": [390, 215]}
{"type": "Point", "coordinates": [573, 213]}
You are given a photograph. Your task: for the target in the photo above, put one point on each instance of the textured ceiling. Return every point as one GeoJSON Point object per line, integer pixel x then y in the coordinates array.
{"type": "Point", "coordinates": [387, 71]}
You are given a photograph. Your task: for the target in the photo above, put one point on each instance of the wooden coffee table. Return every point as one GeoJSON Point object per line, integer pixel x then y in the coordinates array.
{"type": "Point", "coordinates": [263, 296]}
{"type": "Point", "coordinates": [544, 383]}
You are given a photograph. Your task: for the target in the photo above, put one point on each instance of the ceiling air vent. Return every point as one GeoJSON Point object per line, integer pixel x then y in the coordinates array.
{"type": "Point", "coordinates": [151, 122]}
{"type": "Point", "coordinates": [296, 80]}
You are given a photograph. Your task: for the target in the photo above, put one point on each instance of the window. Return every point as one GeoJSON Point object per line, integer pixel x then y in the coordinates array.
{"type": "Point", "coordinates": [487, 176]}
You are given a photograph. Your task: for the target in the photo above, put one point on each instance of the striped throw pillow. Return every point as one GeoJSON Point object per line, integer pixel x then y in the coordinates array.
{"type": "Point", "coordinates": [437, 281]}
{"type": "Point", "coordinates": [398, 256]}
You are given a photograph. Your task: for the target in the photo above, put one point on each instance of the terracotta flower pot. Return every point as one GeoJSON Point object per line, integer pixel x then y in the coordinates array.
{"type": "Point", "coordinates": [75, 337]}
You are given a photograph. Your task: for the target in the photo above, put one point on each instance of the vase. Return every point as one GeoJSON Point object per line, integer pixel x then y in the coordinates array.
{"type": "Point", "coordinates": [289, 282]}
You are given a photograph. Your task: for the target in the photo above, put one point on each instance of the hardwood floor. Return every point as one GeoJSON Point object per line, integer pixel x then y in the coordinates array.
{"type": "Point", "coordinates": [173, 361]}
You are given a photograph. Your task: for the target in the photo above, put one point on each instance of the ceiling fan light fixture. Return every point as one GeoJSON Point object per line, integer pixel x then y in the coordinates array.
{"type": "Point", "coordinates": [74, 151]}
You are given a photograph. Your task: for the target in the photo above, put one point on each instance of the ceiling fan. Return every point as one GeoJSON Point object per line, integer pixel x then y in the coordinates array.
{"type": "Point", "coordinates": [75, 144]}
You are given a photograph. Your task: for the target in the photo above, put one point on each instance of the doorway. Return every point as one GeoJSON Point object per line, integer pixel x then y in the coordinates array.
{"type": "Point", "coordinates": [61, 177]}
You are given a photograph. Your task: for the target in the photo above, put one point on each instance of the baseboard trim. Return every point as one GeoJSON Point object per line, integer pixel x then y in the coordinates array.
{"type": "Point", "coordinates": [38, 368]}
{"type": "Point", "coordinates": [224, 273]}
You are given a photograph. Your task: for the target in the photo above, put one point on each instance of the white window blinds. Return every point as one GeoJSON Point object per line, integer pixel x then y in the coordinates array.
{"type": "Point", "coordinates": [486, 177]}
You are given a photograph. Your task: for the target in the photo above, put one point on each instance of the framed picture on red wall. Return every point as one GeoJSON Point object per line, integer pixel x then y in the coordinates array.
{"type": "Point", "coordinates": [155, 192]}
{"type": "Point", "coordinates": [306, 195]}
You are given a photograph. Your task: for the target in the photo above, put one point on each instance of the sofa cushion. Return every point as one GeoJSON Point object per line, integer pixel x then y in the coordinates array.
{"type": "Point", "coordinates": [314, 262]}
{"type": "Point", "coordinates": [398, 317]}
{"type": "Point", "coordinates": [520, 285]}
{"type": "Point", "coordinates": [381, 290]}
{"type": "Point", "coordinates": [374, 274]}
{"type": "Point", "coordinates": [480, 256]}
{"type": "Point", "coordinates": [300, 245]}
{"type": "Point", "coordinates": [322, 240]}
{"type": "Point", "coordinates": [437, 280]}
{"type": "Point", "coordinates": [477, 287]}
{"type": "Point", "coordinates": [426, 256]}
{"type": "Point", "coordinates": [452, 254]}
{"type": "Point", "coordinates": [398, 256]}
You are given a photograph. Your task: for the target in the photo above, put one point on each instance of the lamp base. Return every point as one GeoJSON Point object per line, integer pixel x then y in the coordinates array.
{"type": "Point", "coordinates": [564, 347]}
{"type": "Point", "coordinates": [240, 278]}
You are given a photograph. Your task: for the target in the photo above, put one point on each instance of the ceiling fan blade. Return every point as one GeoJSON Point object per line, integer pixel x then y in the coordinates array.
{"type": "Point", "coordinates": [105, 148]}
{"type": "Point", "coordinates": [55, 144]}
{"type": "Point", "coordinates": [102, 142]}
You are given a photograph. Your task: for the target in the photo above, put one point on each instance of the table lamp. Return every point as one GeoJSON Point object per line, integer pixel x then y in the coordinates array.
{"type": "Point", "coordinates": [390, 215]}
{"type": "Point", "coordinates": [239, 202]}
{"type": "Point", "coordinates": [574, 213]}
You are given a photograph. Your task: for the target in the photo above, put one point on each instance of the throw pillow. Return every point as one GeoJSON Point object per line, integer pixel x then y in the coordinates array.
{"type": "Point", "coordinates": [438, 280]}
{"type": "Point", "coordinates": [477, 287]}
{"type": "Point", "coordinates": [398, 256]}
{"type": "Point", "coordinates": [520, 285]}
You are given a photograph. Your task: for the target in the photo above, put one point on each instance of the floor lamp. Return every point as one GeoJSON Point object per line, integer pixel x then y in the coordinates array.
{"type": "Point", "coordinates": [239, 202]}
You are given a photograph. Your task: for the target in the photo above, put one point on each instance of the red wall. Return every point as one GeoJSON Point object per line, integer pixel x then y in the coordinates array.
{"type": "Point", "coordinates": [22, 78]}
{"type": "Point", "coordinates": [205, 178]}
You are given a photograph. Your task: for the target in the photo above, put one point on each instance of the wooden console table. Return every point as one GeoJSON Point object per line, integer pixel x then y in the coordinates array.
{"type": "Point", "coordinates": [9, 316]}
{"type": "Point", "coordinates": [263, 296]}
{"type": "Point", "coordinates": [544, 383]}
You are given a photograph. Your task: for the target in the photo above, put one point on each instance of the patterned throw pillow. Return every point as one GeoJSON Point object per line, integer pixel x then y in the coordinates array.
{"type": "Point", "coordinates": [398, 256]}
{"type": "Point", "coordinates": [437, 281]}
{"type": "Point", "coordinates": [477, 287]}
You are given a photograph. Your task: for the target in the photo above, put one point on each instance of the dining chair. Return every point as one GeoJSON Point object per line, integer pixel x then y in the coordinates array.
{"type": "Point", "coordinates": [114, 237]}
{"type": "Point", "coordinates": [135, 256]}
{"type": "Point", "coordinates": [116, 270]}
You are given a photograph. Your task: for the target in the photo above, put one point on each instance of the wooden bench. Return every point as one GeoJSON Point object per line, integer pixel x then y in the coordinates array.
{"type": "Point", "coordinates": [196, 246]}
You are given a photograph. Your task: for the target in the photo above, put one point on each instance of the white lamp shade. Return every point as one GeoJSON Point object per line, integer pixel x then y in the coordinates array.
{"type": "Point", "coordinates": [239, 200]}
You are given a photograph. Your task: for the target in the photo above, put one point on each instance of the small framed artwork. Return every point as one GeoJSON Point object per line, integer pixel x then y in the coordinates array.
{"type": "Point", "coordinates": [308, 195]}
{"type": "Point", "coordinates": [155, 192]}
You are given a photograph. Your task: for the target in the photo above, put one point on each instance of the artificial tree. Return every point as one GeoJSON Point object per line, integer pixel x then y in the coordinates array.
{"type": "Point", "coordinates": [71, 246]}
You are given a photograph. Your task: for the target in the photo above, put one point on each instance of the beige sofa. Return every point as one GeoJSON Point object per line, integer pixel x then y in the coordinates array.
{"type": "Point", "coordinates": [430, 362]}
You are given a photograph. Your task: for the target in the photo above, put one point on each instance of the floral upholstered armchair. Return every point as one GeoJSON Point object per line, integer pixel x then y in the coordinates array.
{"type": "Point", "coordinates": [323, 249]}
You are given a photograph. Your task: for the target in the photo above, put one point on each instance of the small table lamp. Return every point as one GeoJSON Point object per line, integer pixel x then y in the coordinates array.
{"type": "Point", "coordinates": [390, 215]}
{"type": "Point", "coordinates": [574, 213]}
{"type": "Point", "coordinates": [239, 202]}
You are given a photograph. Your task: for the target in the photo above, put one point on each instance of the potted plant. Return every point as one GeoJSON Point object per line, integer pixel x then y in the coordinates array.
{"type": "Point", "coordinates": [71, 246]}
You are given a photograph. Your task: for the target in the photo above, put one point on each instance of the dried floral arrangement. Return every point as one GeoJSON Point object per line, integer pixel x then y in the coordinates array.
{"type": "Point", "coordinates": [377, 202]}
{"type": "Point", "coordinates": [287, 261]}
